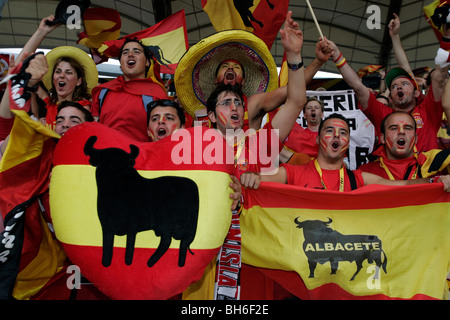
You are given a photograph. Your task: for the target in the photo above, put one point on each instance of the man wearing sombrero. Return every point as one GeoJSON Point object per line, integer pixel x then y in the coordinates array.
{"type": "Point", "coordinates": [403, 93]}
{"type": "Point", "coordinates": [235, 57]}
{"type": "Point", "coordinates": [225, 107]}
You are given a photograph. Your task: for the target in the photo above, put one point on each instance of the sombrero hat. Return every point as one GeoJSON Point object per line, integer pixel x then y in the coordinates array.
{"type": "Point", "coordinates": [196, 71]}
{"type": "Point", "coordinates": [90, 69]}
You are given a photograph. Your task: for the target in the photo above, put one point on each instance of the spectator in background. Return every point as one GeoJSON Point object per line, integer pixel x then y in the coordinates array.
{"type": "Point", "coordinates": [301, 146]}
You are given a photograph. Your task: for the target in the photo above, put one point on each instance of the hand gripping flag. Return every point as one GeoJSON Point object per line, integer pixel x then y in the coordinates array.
{"type": "Point", "coordinates": [264, 18]}
{"type": "Point", "coordinates": [29, 254]}
{"type": "Point", "coordinates": [167, 40]}
{"type": "Point", "coordinates": [141, 220]}
{"type": "Point", "coordinates": [377, 242]}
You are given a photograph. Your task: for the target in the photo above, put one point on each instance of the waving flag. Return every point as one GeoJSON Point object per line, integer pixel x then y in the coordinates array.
{"type": "Point", "coordinates": [262, 17]}
{"type": "Point", "coordinates": [167, 40]}
{"type": "Point", "coordinates": [27, 246]}
{"type": "Point", "coordinates": [101, 24]}
{"type": "Point", "coordinates": [374, 243]}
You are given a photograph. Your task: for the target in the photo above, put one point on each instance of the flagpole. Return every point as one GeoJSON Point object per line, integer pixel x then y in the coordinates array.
{"type": "Point", "coordinates": [315, 19]}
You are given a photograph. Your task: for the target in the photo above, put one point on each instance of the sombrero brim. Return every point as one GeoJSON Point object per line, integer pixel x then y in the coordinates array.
{"type": "Point", "coordinates": [195, 73]}
{"type": "Point", "coordinates": [90, 69]}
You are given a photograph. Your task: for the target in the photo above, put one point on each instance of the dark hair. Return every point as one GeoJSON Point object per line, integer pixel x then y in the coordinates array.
{"type": "Point", "coordinates": [81, 92]}
{"type": "Point", "coordinates": [333, 116]}
{"type": "Point", "coordinates": [87, 114]}
{"type": "Point", "coordinates": [166, 103]}
{"type": "Point", "coordinates": [383, 122]}
{"type": "Point", "coordinates": [213, 98]}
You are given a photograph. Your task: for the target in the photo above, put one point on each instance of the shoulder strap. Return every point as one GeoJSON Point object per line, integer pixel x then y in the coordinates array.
{"type": "Point", "coordinates": [146, 100]}
{"type": "Point", "coordinates": [101, 98]}
{"type": "Point", "coordinates": [352, 178]}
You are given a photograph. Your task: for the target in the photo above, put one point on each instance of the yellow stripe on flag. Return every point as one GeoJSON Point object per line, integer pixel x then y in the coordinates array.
{"type": "Point", "coordinates": [81, 215]}
{"type": "Point", "coordinates": [171, 43]}
{"type": "Point", "coordinates": [224, 16]}
{"type": "Point", "coordinates": [26, 140]}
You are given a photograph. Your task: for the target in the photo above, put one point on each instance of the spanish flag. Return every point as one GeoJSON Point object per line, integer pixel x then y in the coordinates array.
{"type": "Point", "coordinates": [167, 40]}
{"type": "Point", "coordinates": [429, 10]}
{"type": "Point", "coordinates": [30, 255]}
{"type": "Point", "coordinates": [368, 70]}
{"type": "Point", "coordinates": [283, 75]}
{"type": "Point", "coordinates": [264, 18]}
{"type": "Point", "coordinates": [100, 24]}
{"type": "Point", "coordinates": [141, 220]}
{"type": "Point", "coordinates": [376, 242]}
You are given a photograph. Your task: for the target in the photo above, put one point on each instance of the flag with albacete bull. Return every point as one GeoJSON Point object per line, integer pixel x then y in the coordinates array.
{"type": "Point", "coordinates": [376, 242]}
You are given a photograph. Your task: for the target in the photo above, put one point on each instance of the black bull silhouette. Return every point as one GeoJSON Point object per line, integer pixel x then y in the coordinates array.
{"type": "Point", "coordinates": [323, 244]}
{"type": "Point", "coordinates": [128, 203]}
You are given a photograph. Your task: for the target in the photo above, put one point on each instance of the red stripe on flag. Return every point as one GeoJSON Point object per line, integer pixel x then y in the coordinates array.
{"type": "Point", "coordinates": [276, 195]}
{"type": "Point", "coordinates": [169, 280]}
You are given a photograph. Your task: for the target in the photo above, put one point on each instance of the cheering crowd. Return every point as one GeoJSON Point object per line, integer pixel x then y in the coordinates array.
{"type": "Point", "coordinates": [64, 91]}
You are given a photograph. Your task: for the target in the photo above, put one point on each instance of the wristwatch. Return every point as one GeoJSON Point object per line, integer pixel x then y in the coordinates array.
{"type": "Point", "coordinates": [295, 66]}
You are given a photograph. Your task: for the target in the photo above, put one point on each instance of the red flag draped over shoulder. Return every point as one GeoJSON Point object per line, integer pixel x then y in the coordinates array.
{"type": "Point", "coordinates": [167, 40]}
{"type": "Point", "coordinates": [376, 242]}
{"type": "Point", "coordinates": [101, 24]}
{"type": "Point", "coordinates": [262, 17]}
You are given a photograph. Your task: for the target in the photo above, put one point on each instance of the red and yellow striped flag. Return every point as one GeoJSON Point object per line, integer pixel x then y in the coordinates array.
{"type": "Point", "coordinates": [264, 18]}
{"type": "Point", "coordinates": [30, 256]}
{"type": "Point", "coordinates": [101, 24]}
{"type": "Point", "coordinates": [376, 242]}
{"type": "Point", "coordinates": [167, 40]}
{"type": "Point", "coordinates": [125, 208]}
{"type": "Point", "coordinates": [368, 70]}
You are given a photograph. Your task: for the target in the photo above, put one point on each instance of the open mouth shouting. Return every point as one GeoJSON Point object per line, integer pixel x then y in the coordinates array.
{"type": "Point", "coordinates": [161, 132]}
{"type": "Point", "coordinates": [230, 75]}
{"type": "Point", "coordinates": [335, 145]}
{"type": "Point", "coordinates": [131, 63]}
{"type": "Point", "coordinates": [61, 84]}
{"type": "Point", "coordinates": [235, 119]}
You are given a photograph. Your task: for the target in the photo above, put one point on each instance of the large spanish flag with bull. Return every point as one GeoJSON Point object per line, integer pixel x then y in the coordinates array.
{"type": "Point", "coordinates": [141, 220]}
{"type": "Point", "coordinates": [376, 242]}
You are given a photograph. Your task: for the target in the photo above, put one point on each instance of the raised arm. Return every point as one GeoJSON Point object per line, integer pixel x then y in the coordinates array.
{"type": "Point", "coordinates": [36, 39]}
{"type": "Point", "coordinates": [349, 75]}
{"type": "Point", "coordinates": [292, 40]}
{"type": "Point", "coordinates": [400, 54]}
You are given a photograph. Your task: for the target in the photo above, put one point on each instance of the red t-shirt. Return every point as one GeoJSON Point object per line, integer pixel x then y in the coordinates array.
{"type": "Point", "coordinates": [303, 140]}
{"type": "Point", "coordinates": [123, 107]}
{"type": "Point", "coordinates": [428, 116]}
{"type": "Point", "coordinates": [258, 152]}
{"type": "Point", "coordinates": [308, 177]}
